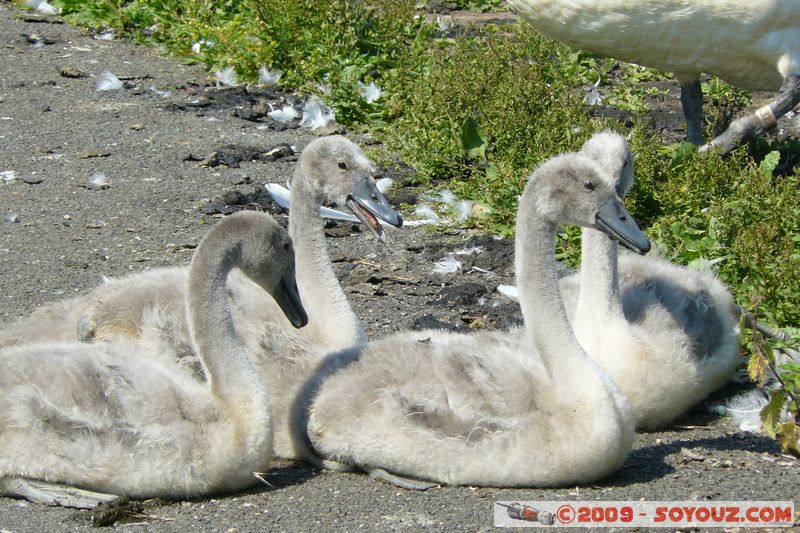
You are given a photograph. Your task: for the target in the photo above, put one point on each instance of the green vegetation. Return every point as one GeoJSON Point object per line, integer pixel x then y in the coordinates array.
{"type": "Point", "coordinates": [482, 109]}
{"type": "Point", "coordinates": [781, 415]}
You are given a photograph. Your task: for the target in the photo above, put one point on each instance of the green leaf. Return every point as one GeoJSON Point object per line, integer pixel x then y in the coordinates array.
{"type": "Point", "coordinates": [768, 164]}
{"type": "Point", "coordinates": [788, 435]}
{"type": "Point", "coordinates": [473, 140]}
{"type": "Point", "coordinates": [771, 413]}
{"type": "Point", "coordinates": [758, 368]}
{"type": "Point", "coordinates": [769, 353]}
{"type": "Point", "coordinates": [492, 174]}
{"type": "Point", "coordinates": [682, 153]}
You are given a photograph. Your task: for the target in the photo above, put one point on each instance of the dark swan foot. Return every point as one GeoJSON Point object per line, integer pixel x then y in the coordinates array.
{"type": "Point", "coordinates": [399, 481]}
{"type": "Point", "coordinates": [741, 130]}
{"type": "Point", "coordinates": [53, 494]}
{"type": "Point", "coordinates": [763, 119]}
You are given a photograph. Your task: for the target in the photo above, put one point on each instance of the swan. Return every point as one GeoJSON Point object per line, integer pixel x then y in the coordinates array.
{"type": "Point", "coordinates": [753, 44]}
{"type": "Point", "coordinates": [147, 308]}
{"type": "Point", "coordinates": [520, 408]}
{"type": "Point", "coordinates": [329, 169]}
{"type": "Point", "coordinates": [668, 335]}
{"type": "Point", "coordinates": [80, 423]}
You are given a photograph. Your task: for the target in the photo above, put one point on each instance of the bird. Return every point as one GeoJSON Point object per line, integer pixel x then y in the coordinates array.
{"type": "Point", "coordinates": [83, 423]}
{"type": "Point", "coordinates": [752, 44]}
{"type": "Point", "coordinates": [665, 334]}
{"type": "Point", "coordinates": [494, 408]}
{"type": "Point", "coordinates": [147, 308]}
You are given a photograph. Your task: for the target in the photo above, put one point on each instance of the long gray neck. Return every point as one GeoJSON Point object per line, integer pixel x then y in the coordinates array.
{"type": "Point", "coordinates": [330, 317]}
{"type": "Point", "coordinates": [599, 297]}
{"type": "Point", "coordinates": [231, 375]}
{"type": "Point", "coordinates": [546, 324]}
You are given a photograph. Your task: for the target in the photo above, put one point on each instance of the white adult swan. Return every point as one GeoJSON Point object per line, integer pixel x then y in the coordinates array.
{"type": "Point", "coordinates": [105, 417]}
{"type": "Point", "coordinates": [753, 44]}
{"type": "Point", "coordinates": [525, 408]}
{"type": "Point", "coordinates": [665, 334]}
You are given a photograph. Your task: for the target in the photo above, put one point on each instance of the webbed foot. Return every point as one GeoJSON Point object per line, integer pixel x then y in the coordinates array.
{"type": "Point", "coordinates": [53, 494]}
{"type": "Point", "coordinates": [400, 481]}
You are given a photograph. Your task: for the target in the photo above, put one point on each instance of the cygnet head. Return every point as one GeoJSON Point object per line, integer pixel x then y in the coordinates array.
{"type": "Point", "coordinates": [339, 171]}
{"type": "Point", "coordinates": [573, 189]}
{"type": "Point", "coordinates": [612, 152]}
{"type": "Point", "coordinates": [263, 251]}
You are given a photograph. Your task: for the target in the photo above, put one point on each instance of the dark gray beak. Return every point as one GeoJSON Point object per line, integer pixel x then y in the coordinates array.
{"type": "Point", "coordinates": [370, 206]}
{"type": "Point", "coordinates": [288, 298]}
{"type": "Point", "coordinates": [614, 220]}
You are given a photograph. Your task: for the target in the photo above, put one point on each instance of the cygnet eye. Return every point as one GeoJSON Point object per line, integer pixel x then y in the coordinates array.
{"type": "Point", "coordinates": [342, 165]}
{"type": "Point", "coordinates": [588, 185]}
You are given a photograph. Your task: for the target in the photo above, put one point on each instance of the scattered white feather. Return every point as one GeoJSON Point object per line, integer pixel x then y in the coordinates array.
{"type": "Point", "coordinates": [472, 250]}
{"type": "Point", "coordinates": [447, 265]}
{"type": "Point", "coordinates": [593, 98]}
{"type": "Point", "coordinates": [324, 88]}
{"type": "Point", "coordinates": [702, 264]}
{"type": "Point", "coordinates": [108, 82]}
{"type": "Point", "coordinates": [99, 181]}
{"type": "Point", "coordinates": [370, 92]}
{"type": "Point", "coordinates": [285, 114]}
{"type": "Point", "coordinates": [105, 36]}
{"type": "Point", "coordinates": [280, 194]}
{"type": "Point", "coordinates": [335, 214]}
{"type": "Point", "coordinates": [282, 197]}
{"type": "Point", "coordinates": [162, 94]}
{"type": "Point", "coordinates": [226, 77]}
{"type": "Point", "coordinates": [463, 210]}
{"type": "Point", "coordinates": [8, 176]}
{"type": "Point", "coordinates": [509, 291]}
{"type": "Point", "coordinates": [745, 410]}
{"type": "Point", "coordinates": [384, 184]}
{"type": "Point", "coordinates": [446, 196]}
{"type": "Point", "coordinates": [10, 217]}
{"type": "Point", "coordinates": [198, 46]}
{"type": "Point", "coordinates": [316, 114]}
{"type": "Point", "coordinates": [426, 212]}
{"type": "Point", "coordinates": [43, 7]}
{"type": "Point", "coordinates": [268, 77]}
{"type": "Point", "coordinates": [443, 23]}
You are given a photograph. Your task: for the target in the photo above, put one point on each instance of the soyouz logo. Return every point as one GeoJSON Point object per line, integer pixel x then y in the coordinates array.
{"type": "Point", "coordinates": [644, 514]}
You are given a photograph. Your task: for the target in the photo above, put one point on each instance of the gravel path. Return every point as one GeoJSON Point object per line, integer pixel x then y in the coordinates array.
{"type": "Point", "coordinates": [60, 232]}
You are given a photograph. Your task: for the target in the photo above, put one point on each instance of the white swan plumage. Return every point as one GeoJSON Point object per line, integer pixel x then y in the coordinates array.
{"type": "Point", "coordinates": [664, 333]}
{"type": "Point", "coordinates": [81, 422]}
{"type": "Point", "coordinates": [752, 44]}
{"type": "Point", "coordinates": [520, 408]}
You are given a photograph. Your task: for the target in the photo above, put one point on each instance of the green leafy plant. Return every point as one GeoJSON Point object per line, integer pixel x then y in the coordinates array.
{"type": "Point", "coordinates": [780, 417]}
{"type": "Point", "coordinates": [480, 5]}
